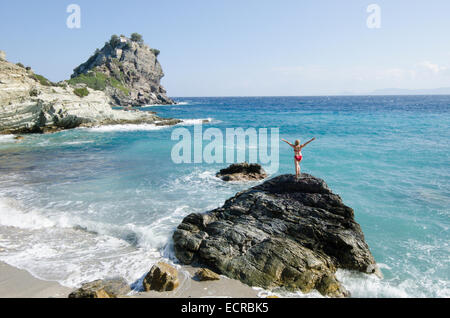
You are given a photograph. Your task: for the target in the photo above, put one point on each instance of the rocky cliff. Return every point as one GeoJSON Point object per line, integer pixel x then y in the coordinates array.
{"type": "Point", "coordinates": [127, 70]}
{"type": "Point", "coordinates": [287, 232]}
{"type": "Point", "coordinates": [29, 103]}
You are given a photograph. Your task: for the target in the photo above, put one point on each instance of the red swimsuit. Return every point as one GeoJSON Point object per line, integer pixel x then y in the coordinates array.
{"type": "Point", "coordinates": [298, 157]}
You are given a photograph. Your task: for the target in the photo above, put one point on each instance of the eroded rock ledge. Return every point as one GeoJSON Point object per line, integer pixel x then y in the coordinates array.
{"type": "Point", "coordinates": [286, 232]}
{"type": "Point", "coordinates": [30, 105]}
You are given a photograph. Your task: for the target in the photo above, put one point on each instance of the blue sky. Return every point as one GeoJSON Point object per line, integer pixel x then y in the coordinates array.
{"type": "Point", "coordinates": [245, 47]}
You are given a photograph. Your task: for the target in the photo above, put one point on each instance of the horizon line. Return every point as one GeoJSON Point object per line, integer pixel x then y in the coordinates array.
{"type": "Point", "coordinates": [331, 95]}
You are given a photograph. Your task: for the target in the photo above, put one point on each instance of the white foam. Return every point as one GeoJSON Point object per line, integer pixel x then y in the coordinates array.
{"type": "Point", "coordinates": [262, 293]}
{"type": "Point", "coordinates": [198, 121]}
{"type": "Point", "coordinates": [72, 257]}
{"type": "Point", "coordinates": [77, 142]}
{"type": "Point", "coordinates": [6, 138]}
{"type": "Point", "coordinates": [12, 214]}
{"type": "Point", "coordinates": [50, 248]}
{"type": "Point", "coordinates": [152, 105]}
{"type": "Point", "coordinates": [126, 127]}
{"type": "Point", "coordinates": [44, 143]}
{"type": "Point", "coordinates": [363, 285]}
{"type": "Point", "coordinates": [162, 105]}
{"type": "Point", "coordinates": [144, 127]}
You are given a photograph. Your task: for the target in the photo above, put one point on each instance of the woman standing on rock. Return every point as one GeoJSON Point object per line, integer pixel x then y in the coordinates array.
{"type": "Point", "coordinates": [298, 153]}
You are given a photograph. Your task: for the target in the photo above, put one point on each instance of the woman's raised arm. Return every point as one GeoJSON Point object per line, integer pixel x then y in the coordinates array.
{"type": "Point", "coordinates": [287, 142]}
{"type": "Point", "coordinates": [305, 144]}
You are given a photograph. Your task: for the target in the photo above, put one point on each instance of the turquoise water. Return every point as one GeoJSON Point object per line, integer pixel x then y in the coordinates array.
{"type": "Point", "coordinates": [90, 203]}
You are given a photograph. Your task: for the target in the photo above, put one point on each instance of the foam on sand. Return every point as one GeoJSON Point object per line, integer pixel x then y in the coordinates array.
{"type": "Point", "coordinates": [16, 283]}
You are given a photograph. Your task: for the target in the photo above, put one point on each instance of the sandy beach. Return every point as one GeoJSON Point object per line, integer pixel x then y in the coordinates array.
{"type": "Point", "coordinates": [192, 288]}
{"type": "Point", "coordinates": [16, 283]}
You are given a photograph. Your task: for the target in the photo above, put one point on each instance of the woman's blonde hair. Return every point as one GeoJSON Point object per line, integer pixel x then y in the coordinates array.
{"type": "Point", "coordinates": [297, 142]}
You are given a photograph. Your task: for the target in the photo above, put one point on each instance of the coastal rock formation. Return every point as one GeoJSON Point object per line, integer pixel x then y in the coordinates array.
{"type": "Point", "coordinates": [242, 172]}
{"type": "Point", "coordinates": [205, 274]}
{"type": "Point", "coordinates": [29, 103]}
{"type": "Point", "coordinates": [2, 55]}
{"type": "Point", "coordinates": [162, 277]}
{"type": "Point", "coordinates": [127, 70]}
{"type": "Point", "coordinates": [108, 288]}
{"type": "Point", "coordinates": [286, 232]}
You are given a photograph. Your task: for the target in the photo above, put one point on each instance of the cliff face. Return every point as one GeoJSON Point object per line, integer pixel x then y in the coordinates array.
{"type": "Point", "coordinates": [29, 103]}
{"type": "Point", "coordinates": [128, 71]}
{"type": "Point", "coordinates": [286, 232]}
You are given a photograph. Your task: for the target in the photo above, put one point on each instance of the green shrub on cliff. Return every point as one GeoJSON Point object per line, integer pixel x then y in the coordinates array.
{"type": "Point", "coordinates": [42, 80]}
{"type": "Point", "coordinates": [99, 81]}
{"type": "Point", "coordinates": [114, 41]}
{"type": "Point", "coordinates": [136, 37]}
{"type": "Point", "coordinates": [156, 52]}
{"type": "Point", "coordinates": [34, 92]}
{"type": "Point", "coordinates": [94, 80]}
{"type": "Point", "coordinates": [81, 92]}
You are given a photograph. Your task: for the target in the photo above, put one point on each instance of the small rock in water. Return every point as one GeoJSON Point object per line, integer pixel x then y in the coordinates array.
{"type": "Point", "coordinates": [107, 288]}
{"type": "Point", "coordinates": [205, 274]}
{"type": "Point", "coordinates": [242, 172]}
{"type": "Point", "coordinates": [162, 277]}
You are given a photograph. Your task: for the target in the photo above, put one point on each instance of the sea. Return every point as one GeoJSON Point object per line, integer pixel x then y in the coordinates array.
{"type": "Point", "coordinates": [91, 203]}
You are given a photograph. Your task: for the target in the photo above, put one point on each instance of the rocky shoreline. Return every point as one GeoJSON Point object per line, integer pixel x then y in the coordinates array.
{"type": "Point", "coordinates": [123, 73]}
{"type": "Point", "coordinates": [290, 233]}
{"type": "Point", "coordinates": [27, 106]}
{"type": "Point", "coordinates": [287, 232]}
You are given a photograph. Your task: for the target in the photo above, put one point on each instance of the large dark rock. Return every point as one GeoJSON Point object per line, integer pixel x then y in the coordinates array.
{"type": "Point", "coordinates": [242, 172]}
{"type": "Point", "coordinates": [107, 288]}
{"type": "Point", "coordinates": [286, 232]}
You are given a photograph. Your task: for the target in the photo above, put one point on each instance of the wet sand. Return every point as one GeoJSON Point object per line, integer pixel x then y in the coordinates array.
{"type": "Point", "coordinates": [16, 283]}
